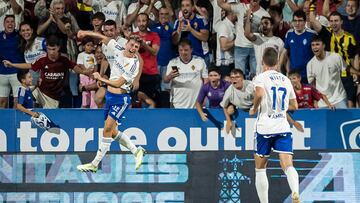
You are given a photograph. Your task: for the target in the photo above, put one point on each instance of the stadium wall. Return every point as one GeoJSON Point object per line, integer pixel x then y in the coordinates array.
{"type": "Point", "coordinates": [172, 130]}
{"type": "Point", "coordinates": [188, 160]}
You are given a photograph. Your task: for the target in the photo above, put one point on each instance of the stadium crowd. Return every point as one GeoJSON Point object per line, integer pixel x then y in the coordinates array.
{"type": "Point", "coordinates": [195, 53]}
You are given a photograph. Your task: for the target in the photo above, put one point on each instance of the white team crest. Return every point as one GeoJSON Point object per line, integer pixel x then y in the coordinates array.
{"type": "Point", "coordinates": [291, 41]}
{"type": "Point", "coordinates": [305, 41]}
{"type": "Point", "coordinates": [46, 67]}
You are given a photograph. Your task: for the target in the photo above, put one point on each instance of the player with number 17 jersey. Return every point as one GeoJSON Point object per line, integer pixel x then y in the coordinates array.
{"type": "Point", "coordinates": [274, 104]}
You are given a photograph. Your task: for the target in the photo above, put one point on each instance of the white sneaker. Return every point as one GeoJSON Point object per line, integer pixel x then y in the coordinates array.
{"type": "Point", "coordinates": [87, 168]}
{"type": "Point", "coordinates": [139, 154]}
{"type": "Point", "coordinates": [295, 197]}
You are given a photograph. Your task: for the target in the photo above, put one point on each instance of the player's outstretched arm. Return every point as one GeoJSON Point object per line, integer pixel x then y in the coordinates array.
{"type": "Point", "coordinates": [16, 65]}
{"type": "Point", "coordinates": [259, 92]}
{"type": "Point", "coordinates": [83, 33]}
{"type": "Point", "coordinates": [20, 107]}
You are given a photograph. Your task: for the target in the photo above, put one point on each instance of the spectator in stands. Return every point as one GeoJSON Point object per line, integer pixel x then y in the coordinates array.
{"type": "Point", "coordinates": [214, 91]}
{"type": "Point", "coordinates": [240, 94]}
{"type": "Point", "coordinates": [263, 39]}
{"type": "Point", "coordinates": [164, 28]}
{"type": "Point", "coordinates": [32, 46]}
{"type": "Point", "coordinates": [112, 9]}
{"type": "Point", "coordinates": [192, 27]}
{"type": "Point", "coordinates": [150, 45]}
{"type": "Point", "coordinates": [11, 7]}
{"type": "Point", "coordinates": [339, 41]}
{"type": "Point", "coordinates": [298, 46]}
{"type": "Point", "coordinates": [150, 7]}
{"type": "Point", "coordinates": [53, 69]}
{"type": "Point", "coordinates": [97, 21]}
{"type": "Point", "coordinates": [225, 44]}
{"type": "Point", "coordinates": [86, 60]}
{"type": "Point", "coordinates": [324, 70]}
{"type": "Point", "coordinates": [351, 22]}
{"type": "Point", "coordinates": [307, 95]}
{"type": "Point", "coordinates": [289, 7]}
{"type": "Point", "coordinates": [25, 101]}
{"type": "Point", "coordinates": [186, 75]}
{"type": "Point", "coordinates": [244, 50]}
{"type": "Point", "coordinates": [9, 50]}
{"type": "Point", "coordinates": [56, 24]}
{"type": "Point", "coordinates": [99, 87]}
{"type": "Point", "coordinates": [280, 27]}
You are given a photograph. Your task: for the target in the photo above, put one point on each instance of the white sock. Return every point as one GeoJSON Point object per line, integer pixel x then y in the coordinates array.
{"type": "Point", "coordinates": [262, 185]}
{"type": "Point", "coordinates": [293, 179]}
{"type": "Point", "coordinates": [125, 141]}
{"type": "Point", "coordinates": [103, 148]}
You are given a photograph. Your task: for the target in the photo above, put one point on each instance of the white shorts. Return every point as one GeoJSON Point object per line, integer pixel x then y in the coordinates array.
{"type": "Point", "coordinates": [7, 82]}
{"type": "Point", "coordinates": [45, 101]}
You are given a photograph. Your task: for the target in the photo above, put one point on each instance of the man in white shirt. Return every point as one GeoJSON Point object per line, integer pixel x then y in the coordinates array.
{"type": "Point", "coordinates": [273, 97]}
{"type": "Point", "coordinates": [11, 7]}
{"type": "Point", "coordinates": [263, 39]}
{"type": "Point", "coordinates": [244, 50]}
{"type": "Point", "coordinates": [225, 43]}
{"type": "Point", "coordinates": [186, 75]}
{"type": "Point", "coordinates": [325, 68]}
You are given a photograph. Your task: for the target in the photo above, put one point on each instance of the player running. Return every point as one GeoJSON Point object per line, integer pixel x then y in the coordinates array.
{"type": "Point", "coordinates": [274, 96]}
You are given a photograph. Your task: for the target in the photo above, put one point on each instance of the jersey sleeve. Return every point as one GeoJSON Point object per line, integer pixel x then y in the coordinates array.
{"type": "Point", "coordinates": [131, 8]}
{"type": "Point", "coordinates": [21, 95]}
{"type": "Point", "coordinates": [315, 93]}
{"type": "Point", "coordinates": [286, 43]}
{"type": "Point", "coordinates": [114, 47]}
{"type": "Point", "coordinates": [131, 73]}
{"type": "Point", "coordinates": [204, 70]}
{"type": "Point", "coordinates": [258, 40]}
{"type": "Point", "coordinates": [202, 94]}
{"type": "Point", "coordinates": [226, 99]}
{"type": "Point", "coordinates": [80, 59]}
{"type": "Point", "coordinates": [310, 73]}
{"type": "Point", "coordinates": [70, 64]}
{"type": "Point", "coordinates": [290, 88]}
{"type": "Point", "coordinates": [203, 25]}
{"type": "Point", "coordinates": [352, 47]}
{"type": "Point", "coordinates": [37, 65]}
{"type": "Point", "coordinates": [156, 39]}
{"type": "Point", "coordinates": [258, 82]}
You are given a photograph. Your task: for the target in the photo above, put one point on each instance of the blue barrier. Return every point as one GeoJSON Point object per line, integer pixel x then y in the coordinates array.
{"type": "Point", "coordinates": [172, 130]}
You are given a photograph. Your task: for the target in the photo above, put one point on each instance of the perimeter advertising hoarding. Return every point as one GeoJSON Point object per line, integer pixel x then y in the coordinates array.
{"type": "Point", "coordinates": [194, 177]}
{"type": "Point", "coordinates": [172, 130]}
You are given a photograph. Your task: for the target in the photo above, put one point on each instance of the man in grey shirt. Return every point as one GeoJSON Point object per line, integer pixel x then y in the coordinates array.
{"type": "Point", "coordinates": [240, 94]}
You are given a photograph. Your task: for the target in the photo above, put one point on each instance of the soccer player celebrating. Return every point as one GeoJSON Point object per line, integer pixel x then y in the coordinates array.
{"type": "Point", "coordinates": [123, 72]}
{"type": "Point", "coordinates": [274, 95]}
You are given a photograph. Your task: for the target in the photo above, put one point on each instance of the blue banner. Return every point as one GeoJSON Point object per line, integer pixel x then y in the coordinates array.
{"type": "Point", "coordinates": [211, 177]}
{"type": "Point", "coordinates": [172, 130]}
